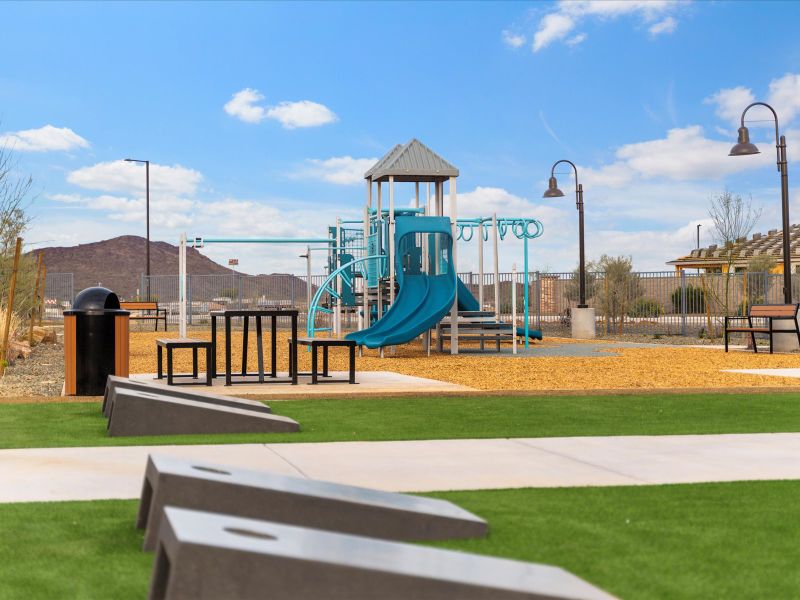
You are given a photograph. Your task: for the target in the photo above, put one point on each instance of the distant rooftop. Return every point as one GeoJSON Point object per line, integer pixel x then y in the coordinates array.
{"type": "Point", "coordinates": [413, 161]}
{"type": "Point", "coordinates": [769, 244]}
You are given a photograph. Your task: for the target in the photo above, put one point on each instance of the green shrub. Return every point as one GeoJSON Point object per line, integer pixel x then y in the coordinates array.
{"type": "Point", "coordinates": [695, 300]}
{"type": "Point", "coordinates": [645, 307]}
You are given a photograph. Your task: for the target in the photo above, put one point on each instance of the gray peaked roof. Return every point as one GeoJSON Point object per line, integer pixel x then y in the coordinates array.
{"type": "Point", "coordinates": [413, 161]}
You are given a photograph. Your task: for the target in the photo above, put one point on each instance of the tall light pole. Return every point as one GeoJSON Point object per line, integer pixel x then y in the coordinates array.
{"type": "Point", "coordinates": [553, 192]}
{"type": "Point", "coordinates": [744, 148]}
{"type": "Point", "coordinates": [147, 216]}
{"type": "Point", "coordinates": [698, 235]}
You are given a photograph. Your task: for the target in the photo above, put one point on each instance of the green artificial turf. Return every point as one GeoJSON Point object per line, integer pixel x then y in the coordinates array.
{"type": "Point", "coordinates": [723, 540]}
{"type": "Point", "coordinates": [81, 424]}
{"type": "Point", "coordinates": [717, 540]}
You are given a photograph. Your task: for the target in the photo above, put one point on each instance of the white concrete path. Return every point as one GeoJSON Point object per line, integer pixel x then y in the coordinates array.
{"type": "Point", "coordinates": [116, 472]}
{"type": "Point", "coordinates": [793, 373]}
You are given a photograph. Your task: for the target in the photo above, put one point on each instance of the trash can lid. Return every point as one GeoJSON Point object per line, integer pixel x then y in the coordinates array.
{"type": "Point", "coordinates": [95, 300]}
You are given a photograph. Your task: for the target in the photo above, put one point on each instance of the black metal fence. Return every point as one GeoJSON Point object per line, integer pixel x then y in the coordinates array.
{"type": "Point", "coordinates": [652, 303]}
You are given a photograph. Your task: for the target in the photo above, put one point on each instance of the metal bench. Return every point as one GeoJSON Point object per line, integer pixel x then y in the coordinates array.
{"type": "Point", "coordinates": [765, 312]}
{"type": "Point", "coordinates": [145, 312]}
{"type": "Point", "coordinates": [170, 345]}
{"type": "Point", "coordinates": [325, 344]}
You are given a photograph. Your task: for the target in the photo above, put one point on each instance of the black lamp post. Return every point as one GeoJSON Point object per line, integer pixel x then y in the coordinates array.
{"type": "Point", "coordinates": [147, 216]}
{"type": "Point", "coordinates": [745, 148]}
{"type": "Point", "coordinates": [553, 192]}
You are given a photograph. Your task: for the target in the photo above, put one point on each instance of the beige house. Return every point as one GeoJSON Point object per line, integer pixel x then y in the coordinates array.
{"type": "Point", "coordinates": [714, 259]}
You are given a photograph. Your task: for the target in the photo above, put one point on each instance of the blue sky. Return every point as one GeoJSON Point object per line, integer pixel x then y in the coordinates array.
{"type": "Point", "coordinates": [260, 118]}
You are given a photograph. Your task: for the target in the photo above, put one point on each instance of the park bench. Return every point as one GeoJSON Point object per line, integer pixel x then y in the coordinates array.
{"type": "Point", "coordinates": [767, 314]}
{"type": "Point", "coordinates": [170, 344]}
{"type": "Point", "coordinates": [325, 344]}
{"type": "Point", "coordinates": [146, 311]}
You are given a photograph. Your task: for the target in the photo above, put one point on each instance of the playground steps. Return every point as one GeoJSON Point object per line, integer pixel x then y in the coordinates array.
{"type": "Point", "coordinates": [476, 326]}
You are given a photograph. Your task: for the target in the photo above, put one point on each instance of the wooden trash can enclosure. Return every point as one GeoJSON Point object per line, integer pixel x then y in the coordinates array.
{"type": "Point", "coordinates": [96, 342]}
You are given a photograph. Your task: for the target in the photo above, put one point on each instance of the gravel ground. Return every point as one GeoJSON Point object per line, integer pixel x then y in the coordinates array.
{"type": "Point", "coordinates": [654, 367]}
{"type": "Point", "coordinates": [41, 374]}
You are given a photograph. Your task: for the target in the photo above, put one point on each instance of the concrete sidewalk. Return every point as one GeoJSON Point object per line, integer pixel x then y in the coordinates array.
{"type": "Point", "coordinates": [116, 472]}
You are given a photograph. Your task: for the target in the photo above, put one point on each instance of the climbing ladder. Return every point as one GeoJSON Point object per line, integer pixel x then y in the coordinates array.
{"type": "Point", "coordinates": [329, 287]}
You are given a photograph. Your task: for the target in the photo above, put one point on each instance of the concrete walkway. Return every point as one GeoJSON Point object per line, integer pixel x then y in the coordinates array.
{"type": "Point", "coordinates": [116, 472]}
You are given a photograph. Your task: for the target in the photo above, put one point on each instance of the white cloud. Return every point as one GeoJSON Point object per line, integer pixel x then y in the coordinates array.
{"type": "Point", "coordinates": [783, 95]}
{"type": "Point", "coordinates": [557, 25]}
{"type": "Point", "coordinates": [730, 102]}
{"type": "Point", "coordinates": [245, 105]}
{"type": "Point", "coordinates": [576, 39]}
{"type": "Point", "coordinates": [552, 27]}
{"type": "Point", "coordinates": [304, 113]}
{"type": "Point", "coordinates": [684, 154]}
{"type": "Point", "coordinates": [668, 25]}
{"type": "Point", "coordinates": [44, 139]}
{"type": "Point", "coordinates": [341, 170]}
{"type": "Point", "coordinates": [166, 211]}
{"type": "Point", "coordinates": [121, 176]}
{"type": "Point", "coordinates": [513, 40]}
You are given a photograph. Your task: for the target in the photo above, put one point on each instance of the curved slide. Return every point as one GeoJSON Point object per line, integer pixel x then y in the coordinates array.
{"type": "Point", "coordinates": [422, 302]}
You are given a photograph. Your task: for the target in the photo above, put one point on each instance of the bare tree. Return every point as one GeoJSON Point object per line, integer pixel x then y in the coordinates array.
{"type": "Point", "coordinates": [733, 219]}
{"type": "Point", "coordinates": [619, 289]}
{"type": "Point", "coordinates": [15, 198]}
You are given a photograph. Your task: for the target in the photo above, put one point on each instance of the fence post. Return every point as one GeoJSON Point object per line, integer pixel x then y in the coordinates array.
{"type": "Point", "coordinates": [683, 302]}
{"type": "Point", "coordinates": [141, 287]}
{"type": "Point", "coordinates": [538, 300]}
{"type": "Point", "coordinates": [238, 288]}
{"type": "Point", "coordinates": [189, 310]}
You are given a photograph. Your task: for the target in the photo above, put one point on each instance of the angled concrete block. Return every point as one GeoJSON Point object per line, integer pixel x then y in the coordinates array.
{"type": "Point", "coordinates": [208, 555]}
{"type": "Point", "coordinates": [196, 484]}
{"type": "Point", "coordinates": [137, 412]}
{"type": "Point", "coordinates": [114, 383]}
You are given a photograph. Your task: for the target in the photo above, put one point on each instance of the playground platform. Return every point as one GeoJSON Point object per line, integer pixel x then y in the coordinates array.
{"type": "Point", "coordinates": [369, 383]}
{"type": "Point", "coordinates": [52, 474]}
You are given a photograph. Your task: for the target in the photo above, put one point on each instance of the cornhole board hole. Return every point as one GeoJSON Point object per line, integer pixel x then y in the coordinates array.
{"type": "Point", "coordinates": [136, 412]}
{"type": "Point", "coordinates": [210, 555]}
{"type": "Point", "coordinates": [114, 383]}
{"type": "Point", "coordinates": [198, 485]}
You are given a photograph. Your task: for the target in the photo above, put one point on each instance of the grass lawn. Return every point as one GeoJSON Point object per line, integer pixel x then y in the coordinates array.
{"type": "Point", "coordinates": [81, 424]}
{"type": "Point", "coordinates": [729, 540]}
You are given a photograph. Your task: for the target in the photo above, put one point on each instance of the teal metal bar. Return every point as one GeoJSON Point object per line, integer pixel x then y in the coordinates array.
{"type": "Point", "coordinates": [262, 240]}
{"type": "Point", "coordinates": [527, 320]}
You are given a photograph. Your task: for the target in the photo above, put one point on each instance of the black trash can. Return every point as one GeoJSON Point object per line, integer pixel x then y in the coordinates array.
{"type": "Point", "coordinates": [96, 342]}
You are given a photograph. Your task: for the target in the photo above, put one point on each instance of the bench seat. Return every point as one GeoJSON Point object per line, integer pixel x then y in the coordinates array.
{"type": "Point", "coordinates": [764, 312]}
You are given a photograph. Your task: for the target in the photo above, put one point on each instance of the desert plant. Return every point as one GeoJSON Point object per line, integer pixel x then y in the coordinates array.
{"type": "Point", "coordinates": [733, 219]}
{"type": "Point", "coordinates": [645, 308]}
{"type": "Point", "coordinates": [619, 289]}
{"type": "Point", "coordinates": [695, 299]}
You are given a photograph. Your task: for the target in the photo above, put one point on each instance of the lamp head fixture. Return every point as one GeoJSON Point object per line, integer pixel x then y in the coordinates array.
{"type": "Point", "coordinates": [744, 147]}
{"type": "Point", "coordinates": [552, 189]}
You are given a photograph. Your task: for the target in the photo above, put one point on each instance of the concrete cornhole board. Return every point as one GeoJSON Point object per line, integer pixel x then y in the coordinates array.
{"type": "Point", "coordinates": [210, 555]}
{"type": "Point", "coordinates": [199, 485]}
{"type": "Point", "coordinates": [136, 412]}
{"type": "Point", "coordinates": [115, 383]}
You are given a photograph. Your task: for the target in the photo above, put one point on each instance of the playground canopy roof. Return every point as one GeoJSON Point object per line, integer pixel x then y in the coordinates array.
{"type": "Point", "coordinates": [413, 161]}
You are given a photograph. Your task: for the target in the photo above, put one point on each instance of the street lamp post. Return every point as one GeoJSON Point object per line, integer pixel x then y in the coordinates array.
{"type": "Point", "coordinates": [147, 217]}
{"type": "Point", "coordinates": [745, 148]}
{"type": "Point", "coordinates": [698, 236]}
{"type": "Point", "coordinates": [553, 192]}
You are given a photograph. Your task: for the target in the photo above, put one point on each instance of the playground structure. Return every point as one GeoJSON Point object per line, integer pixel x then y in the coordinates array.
{"type": "Point", "coordinates": [396, 269]}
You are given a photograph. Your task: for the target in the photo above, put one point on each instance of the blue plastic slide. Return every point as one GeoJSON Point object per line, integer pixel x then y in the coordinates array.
{"type": "Point", "coordinates": [423, 300]}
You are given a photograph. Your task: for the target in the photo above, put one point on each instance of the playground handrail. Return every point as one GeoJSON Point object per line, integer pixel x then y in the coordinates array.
{"type": "Point", "coordinates": [325, 288]}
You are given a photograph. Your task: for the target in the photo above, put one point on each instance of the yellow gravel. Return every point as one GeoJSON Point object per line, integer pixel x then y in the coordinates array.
{"type": "Point", "coordinates": [632, 369]}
